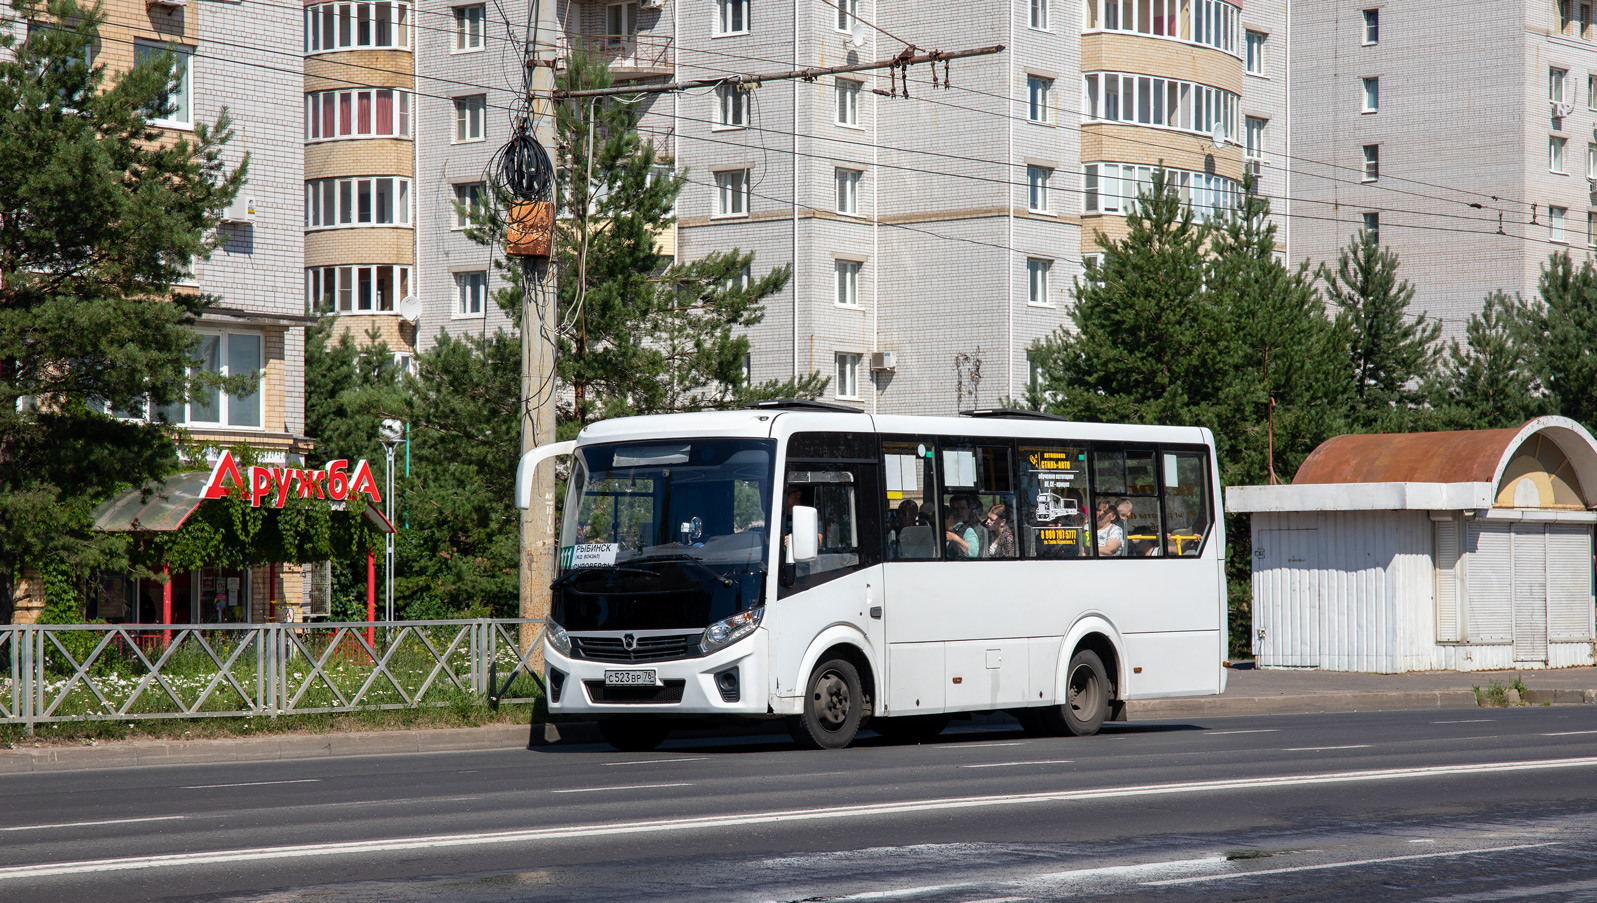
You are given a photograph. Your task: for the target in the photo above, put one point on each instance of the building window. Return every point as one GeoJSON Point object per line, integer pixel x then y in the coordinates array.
{"type": "Point", "coordinates": [1556, 217]}
{"type": "Point", "coordinates": [1591, 163]}
{"type": "Point", "coordinates": [469, 114]}
{"type": "Point", "coordinates": [468, 27]}
{"type": "Point", "coordinates": [1591, 92]}
{"type": "Point", "coordinates": [1372, 162]}
{"type": "Point", "coordinates": [731, 17]}
{"type": "Point", "coordinates": [1253, 138]}
{"type": "Point", "coordinates": [1037, 178]}
{"type": "Point", "coordinates": [1037, 270]}
{"type": "Point", "coordinates": [1372, 26]}
{"type": "Point", "coordinates": [731, 109]}
{"type": "Point", "coordinates": [847, 376]}
{"type": "Point", "coordinates": [1160, 102]}
{"type": "Point", "coordinates": [338, 203]}
{"type": "Point", "coordinates": [377, 113]}
{"type": "Point", "coordinates": [1372, 225]}
{"type": "Point", "coordinates": [356, 289]}
{"type": "Point", "coordinates": [1039, 15]}
{"type": "Point", "coordinates": [1255, 58]}
{"type": "Point", "coordinates": [847, 190]}
{"type": "Point", "coordinates": [1555, 154]}
{"type": "Point", "coordinates": [732, 192]}
{"type": "Point", "coordinates": [847, 15]}
{"type": "Point", "coordinates": [1039, 97]}
{"type": "Point", "coordinates": [470, 290]}
{"type": "Point", "coordinates": [176, 108]}
{"type": "Point", "coordinates": [1114, 188]}
{"type": "Point", "coordinates": [1557, 85]}
{"type": "Point", "coordinates": [1091, 269]}
{"type": "Point", "coordinates": [1372, 94]}
{"type": "Point", "coordinates": [1213, 23]}
{"type": "Point", "coordinates": [350, 26]}
{"type": "Point", "coordinates": [1591, 229]}
{"type": "Point", "coordinates": [847, 102]}
{"type": "Point", "coordinates": [847, 282]}
{"type": "Point", "coordinates": [224, 354]}
{"type": "Point", "coordinates": [469, 201]}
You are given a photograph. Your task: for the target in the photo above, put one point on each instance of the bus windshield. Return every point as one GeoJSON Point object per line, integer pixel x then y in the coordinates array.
{"type": "Point", "coordinates": [677, 527]}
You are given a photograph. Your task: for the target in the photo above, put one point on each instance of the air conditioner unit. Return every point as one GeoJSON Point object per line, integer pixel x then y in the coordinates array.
{"type": "Point", "coordinates": [884, 361]}
{"type": "Point", "coordinates": [651, 4]}
{"type": "Point", "coordinates": [172, 4]}
{"type": "Point", "coordinates": [1562, 108]}
{"type": "Point", "coordinates": [242, 210]}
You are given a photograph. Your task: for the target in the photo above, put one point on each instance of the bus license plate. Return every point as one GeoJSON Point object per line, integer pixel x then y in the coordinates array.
{"type": "Point", "coordinates": [629, 679]}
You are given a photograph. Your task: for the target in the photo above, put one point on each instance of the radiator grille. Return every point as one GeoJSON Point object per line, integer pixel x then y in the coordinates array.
{"type": "Point", "coordinates": [670, 693]}
{"type": "Point", "coordinates": [648, 648]}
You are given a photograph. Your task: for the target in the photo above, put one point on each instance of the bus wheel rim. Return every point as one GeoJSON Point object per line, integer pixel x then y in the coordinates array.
{"type": "Point", "coordinates": [832, 702]}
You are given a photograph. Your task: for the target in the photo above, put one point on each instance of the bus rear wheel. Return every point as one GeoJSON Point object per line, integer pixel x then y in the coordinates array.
{"type": "Point", "coordinates": [633, 733]}
{"type": "Point", "coordinates": [1085, 706]}
{"type": "Point", "coordinates": [833, 707]}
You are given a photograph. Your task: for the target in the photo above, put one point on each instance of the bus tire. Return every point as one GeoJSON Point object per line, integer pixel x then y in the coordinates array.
{"type": "Point", "coordinates": [910, 728]}
{"type": "Point", "coordinates": [833, 707]}
{"type": "Point", "coordinates": [1086, 694]}
{"type": "Point", "coordinates": [633, 733]}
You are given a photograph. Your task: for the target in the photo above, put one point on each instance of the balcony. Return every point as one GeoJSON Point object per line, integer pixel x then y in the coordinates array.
{"type": "Point", "coordinates": [632, 57]}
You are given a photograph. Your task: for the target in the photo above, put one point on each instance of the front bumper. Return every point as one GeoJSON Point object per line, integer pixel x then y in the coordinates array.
{"type": "Point", "coordinates": [699, 694]}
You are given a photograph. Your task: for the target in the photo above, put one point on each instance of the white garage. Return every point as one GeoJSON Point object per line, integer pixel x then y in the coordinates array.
{"type": "Point", "coordinates": [1467, 550]}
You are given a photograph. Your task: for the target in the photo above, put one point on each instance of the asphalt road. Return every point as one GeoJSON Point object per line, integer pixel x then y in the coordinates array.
{"type": "Point", "coordinates": [1467, 805]}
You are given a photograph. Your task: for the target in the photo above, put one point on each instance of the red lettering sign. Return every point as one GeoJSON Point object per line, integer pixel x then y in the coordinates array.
{"type": "Point", "coordinates": [336, 482]}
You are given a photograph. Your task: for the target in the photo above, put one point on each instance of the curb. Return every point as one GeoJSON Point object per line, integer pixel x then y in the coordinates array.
{"type": "Point", "coordinates": [1311, 704]}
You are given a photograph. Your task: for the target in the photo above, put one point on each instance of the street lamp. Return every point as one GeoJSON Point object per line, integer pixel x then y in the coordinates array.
{"type": "Point", "coordinates": [392, 435]}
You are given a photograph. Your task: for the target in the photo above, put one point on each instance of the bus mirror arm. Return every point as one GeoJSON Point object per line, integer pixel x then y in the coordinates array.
{"type": "Point", "coordinates": [529, 466]}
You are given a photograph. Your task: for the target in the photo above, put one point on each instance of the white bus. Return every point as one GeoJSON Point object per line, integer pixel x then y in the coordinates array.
{"type": "Point", "coordinates": [799, 560]}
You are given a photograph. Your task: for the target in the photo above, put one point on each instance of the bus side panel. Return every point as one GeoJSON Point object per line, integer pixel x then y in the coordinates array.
{"type": "Point", "coordinates": [796, 621]}
{"type": "Point", "coordinates": [986, 674]}
{"type": "Point", "coordinates": [1173, 664]}
{"type": "Point", "coordinates": [915, 681]}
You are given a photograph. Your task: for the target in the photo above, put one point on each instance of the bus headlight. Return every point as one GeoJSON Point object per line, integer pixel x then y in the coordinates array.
{"type": "Point", "coordinates": [558, 638]}
{"type": "Point", "coordinates": [727, 631]}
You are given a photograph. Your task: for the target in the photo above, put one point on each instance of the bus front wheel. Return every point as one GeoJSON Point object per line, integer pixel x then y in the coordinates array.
{"type": "Point", "coordinates": [633, 733]}
{"type": "Point", "coordinates": [832, 707]}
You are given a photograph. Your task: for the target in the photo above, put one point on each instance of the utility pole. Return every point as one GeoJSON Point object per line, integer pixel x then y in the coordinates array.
{"type": "Point", "coordinates": [538, 539]}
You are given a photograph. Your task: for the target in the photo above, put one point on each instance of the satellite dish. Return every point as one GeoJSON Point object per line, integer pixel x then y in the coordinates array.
{"type": "Point", "coordinates": [410, 308]}
{"type": "Point", "coordinates": [855, 38]}
{"type": "Point", "coordinates": [1218, 134]}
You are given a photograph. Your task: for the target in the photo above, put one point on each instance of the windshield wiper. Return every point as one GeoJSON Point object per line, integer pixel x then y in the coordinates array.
{"type": "Point", "coordinates": [685, 559]}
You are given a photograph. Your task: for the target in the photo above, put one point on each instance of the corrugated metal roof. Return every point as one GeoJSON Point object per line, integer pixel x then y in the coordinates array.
{"type": "Point", "coordinates": [1462, 456]}
{"type": "Point", "coordinates": [158, 508]}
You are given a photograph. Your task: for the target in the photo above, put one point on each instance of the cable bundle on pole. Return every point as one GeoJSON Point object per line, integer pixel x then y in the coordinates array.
{"type": "Point", "coordinates": [524, 171]}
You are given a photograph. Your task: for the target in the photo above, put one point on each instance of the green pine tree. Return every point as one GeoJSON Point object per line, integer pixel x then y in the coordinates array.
{"type": "Point", "coordinates": [1146, 343]}
{"type": "Point", "coordinates": [100, 214]}
{"type": "Point", "coordinates": [1392, 354]}
{"type": "Point", "coordinates": [1560, 330]}
{"type": "Point", "coordinates": [1490, 382]}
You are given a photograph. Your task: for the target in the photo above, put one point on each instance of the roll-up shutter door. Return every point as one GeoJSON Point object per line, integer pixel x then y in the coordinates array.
{"type": "Point", "coordinates": [1447, 615]}
{"type": "Point", "coordinates": [1490, 577]}
{"type": "Point", "coordinates": [1530, 593]}
{"type": "Point", "coordinates": [1569, 575]}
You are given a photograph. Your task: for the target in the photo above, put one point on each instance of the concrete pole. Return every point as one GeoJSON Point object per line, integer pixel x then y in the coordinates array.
{"type": "Point", "coordinates": [538, 538]}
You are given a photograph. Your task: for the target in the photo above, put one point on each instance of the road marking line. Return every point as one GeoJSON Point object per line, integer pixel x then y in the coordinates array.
{"type": "Point", "coordinates": [1007, 764]}
{"type": "Point", "coordinates": [1469, 721]}
{"type": "Point", "coordinates": [1569, 733]}
{"type": "Point", "coordinates": [657, 761]}
{"type": "Point", "coordinates": [1318, 748]}
{"type": "Point", "coordinates": [1065, 877]}
{"type": "Point", "coordinates": [623, 787]}
{"type": "Point", "coordinates": [90, 824]}
{"type": "Point", "coordinates": [787, 816]}
{"type": "Point", "coordinates": [1260, 730]}
{"type": "Point", "coordinates": [979, 745]}
{"type": "Point", "coordinates": [1339, 865]}
{"type": "Point", "coordinates": [253, 784]}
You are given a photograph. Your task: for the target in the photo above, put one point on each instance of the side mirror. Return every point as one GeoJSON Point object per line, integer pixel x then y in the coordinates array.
{"type": "Point", "coordinates": [804, 544]}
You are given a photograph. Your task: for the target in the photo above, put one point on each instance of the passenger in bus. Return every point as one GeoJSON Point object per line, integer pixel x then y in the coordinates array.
{"type": "Point", "coordinates": [1002, 533]}
{"type": "Point", "coordinates": [1111, 536]}
{"type": "Point", "coordinates": [960, 540]}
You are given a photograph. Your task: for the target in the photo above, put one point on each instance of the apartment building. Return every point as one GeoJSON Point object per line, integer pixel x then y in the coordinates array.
{"type": "Point", "coordinates": [1465, 139]}
{"type": "Point", "coordinates": [933, 237]}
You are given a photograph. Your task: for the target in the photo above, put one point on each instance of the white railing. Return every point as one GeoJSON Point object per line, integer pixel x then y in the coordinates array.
{"type": "Point", "coordinates": [122, 672]}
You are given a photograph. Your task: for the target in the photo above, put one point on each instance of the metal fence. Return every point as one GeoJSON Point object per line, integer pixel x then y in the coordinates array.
{"type": "Point", "coordinates": [134, 671]}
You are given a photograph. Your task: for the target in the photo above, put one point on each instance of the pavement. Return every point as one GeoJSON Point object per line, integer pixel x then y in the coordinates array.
{"type": "Point", "coordinates": [1249, 691]}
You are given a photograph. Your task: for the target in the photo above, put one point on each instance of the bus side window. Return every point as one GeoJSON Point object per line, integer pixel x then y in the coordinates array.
{"type": "Point", "coordinates": [910, 517]}
{"type": "Point", "coordinates": [1053, 521]}
{"type": "Point", "coordinates": [1126, 503]}
{"type": "Point", "coordinates": [836, 492]}
{"type": "Point", "coordinates": [1187, 514]}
